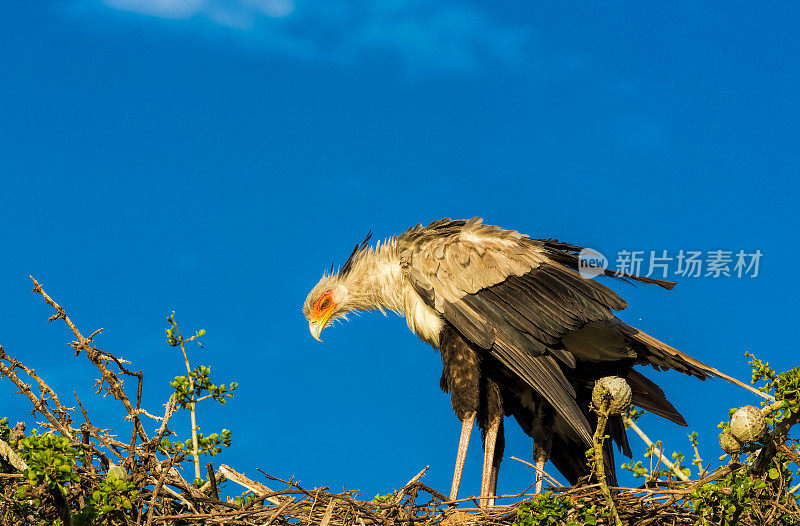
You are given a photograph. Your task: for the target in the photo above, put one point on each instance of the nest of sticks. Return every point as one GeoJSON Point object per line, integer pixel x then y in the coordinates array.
{"type": "Point", "coordinates": [173, 503]}
{"type": "Point", "coordinates": [164, 497]}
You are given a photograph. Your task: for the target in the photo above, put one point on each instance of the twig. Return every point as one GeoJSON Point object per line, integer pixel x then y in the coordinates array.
{"type": "Point", "coordinates": [414, 480]}
{"type": "Point", "coordinates": [212, 479]}
{"type": "Point", "coordinates": [159, 484]}
{"type": "Point", "coordinates": [169, 409]}
{"type": "Point", "coordinates": [328, 513]}
{"type": "Point", "coordinates": [192, 405]}
{"type": "Point", "coordinates": [278, 512]}
{"type": "Point", "coordinates": [678, 473]}
{"type": "Point", "coordinates": [38, 404]}
{"type": "Point", "coordinates": [255, 487]}
{"type": "Point", "coordinates": [544, 474]}
{"type": "Point", "coordinates": [85, 344]}
{"type": "Point", "coordinates": [11, 456]}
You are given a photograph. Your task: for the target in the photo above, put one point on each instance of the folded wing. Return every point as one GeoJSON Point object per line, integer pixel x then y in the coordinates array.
{"type": "Point", "coordinates": [522, 300]}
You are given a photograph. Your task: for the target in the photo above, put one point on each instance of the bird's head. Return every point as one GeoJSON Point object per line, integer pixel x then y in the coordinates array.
{"type": "Point", "coordinates": [326, 302]}
{"type": "Point", "coordinates": [337, 293]}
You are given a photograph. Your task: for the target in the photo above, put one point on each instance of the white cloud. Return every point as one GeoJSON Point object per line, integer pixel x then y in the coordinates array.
{"type": "Point", "coordinates": [161, 8]}
{"type": "Point", "coordinates": [239, 14]}
{"type": "Point", "coordinates": [274, 8]}
{"type": "Point", "coordinates": [420, 34]}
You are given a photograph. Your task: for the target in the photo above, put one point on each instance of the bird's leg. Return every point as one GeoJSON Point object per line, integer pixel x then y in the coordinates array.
{"type": "Point", "coordinates": [488, 459]}
{"type": "Point", "coordinates": [493, 484]}
{"type": "Point", "coordinates": [540, 462]}
{"type": "Point", "coordinates": [463, 442]}
{"type": "Point", "coordinates": [498, 457]}
{"type": "Point", "coordinates": [542, 441]}
{"type": "Point", "coordinates": [541, 452]}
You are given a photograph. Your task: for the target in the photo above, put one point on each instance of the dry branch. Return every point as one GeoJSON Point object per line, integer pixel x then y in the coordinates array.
{"type": "Point", "coordinates": [255, 487]}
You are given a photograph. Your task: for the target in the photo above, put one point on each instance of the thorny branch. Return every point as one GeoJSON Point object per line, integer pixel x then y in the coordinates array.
{"type": "Point", "coordinates": [114, 384]}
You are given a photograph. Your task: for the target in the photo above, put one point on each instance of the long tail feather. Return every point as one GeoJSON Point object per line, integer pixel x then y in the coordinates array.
{"type": "Point", "coordinates": [659, 354]}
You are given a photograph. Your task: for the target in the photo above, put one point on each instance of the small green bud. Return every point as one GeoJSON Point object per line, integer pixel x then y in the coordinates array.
{"type": "Point", "coordinates": [116, 472]}
{"type": "Point", "coordinates": [729, 443]}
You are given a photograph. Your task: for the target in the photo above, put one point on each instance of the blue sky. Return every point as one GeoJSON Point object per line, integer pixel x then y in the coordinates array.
{"type": "Point", "coordinates": [214, 158]}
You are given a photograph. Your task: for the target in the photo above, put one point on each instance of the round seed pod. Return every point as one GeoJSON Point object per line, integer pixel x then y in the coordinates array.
{"type": "Point", "coordinates": [116, 472]}
{"type": "Point", "coordinates": [729, 444]}
{"type": "Point", "coordinates": [748, 424]}
{"type": "Point", "coordinates": [616, 390]}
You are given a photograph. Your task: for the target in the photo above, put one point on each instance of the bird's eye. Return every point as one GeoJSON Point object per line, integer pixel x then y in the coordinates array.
{"type": "Point", "coordinates": [325, 303]}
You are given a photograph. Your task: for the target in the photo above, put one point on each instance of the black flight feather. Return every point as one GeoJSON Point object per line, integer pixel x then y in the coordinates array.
{"type": "Point", "coordinates": [567, 255]}
{"type": "Point", "coordinates": [348, 265]}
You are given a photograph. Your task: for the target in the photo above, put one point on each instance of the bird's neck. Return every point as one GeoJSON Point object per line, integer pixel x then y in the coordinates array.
{"type": "Point", "coordinates": [380, 284]}
{"type": "Point", "coordinates": [376, 278]}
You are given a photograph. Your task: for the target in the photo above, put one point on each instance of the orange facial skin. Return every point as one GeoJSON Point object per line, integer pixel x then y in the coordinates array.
{"type": "Point", "coordinates": [320, 313]}
{"type": "Point", "coordinates": [323, 305]}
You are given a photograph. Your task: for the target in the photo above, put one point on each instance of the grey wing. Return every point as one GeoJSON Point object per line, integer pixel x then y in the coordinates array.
{"type": "Point", "coordinates": [506, 296]}
{"type": "Point", "coordinates": [522, 320]}
{"type": "Point", "coordinates": [535, 290]}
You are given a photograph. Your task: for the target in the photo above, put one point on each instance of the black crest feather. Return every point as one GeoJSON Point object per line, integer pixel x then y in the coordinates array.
{"type": "Point", "coordinates": [348, 265]}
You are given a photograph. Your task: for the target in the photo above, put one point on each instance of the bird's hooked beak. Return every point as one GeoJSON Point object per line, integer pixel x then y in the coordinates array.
{"type": "Point", "coordinates": [315, 326]}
